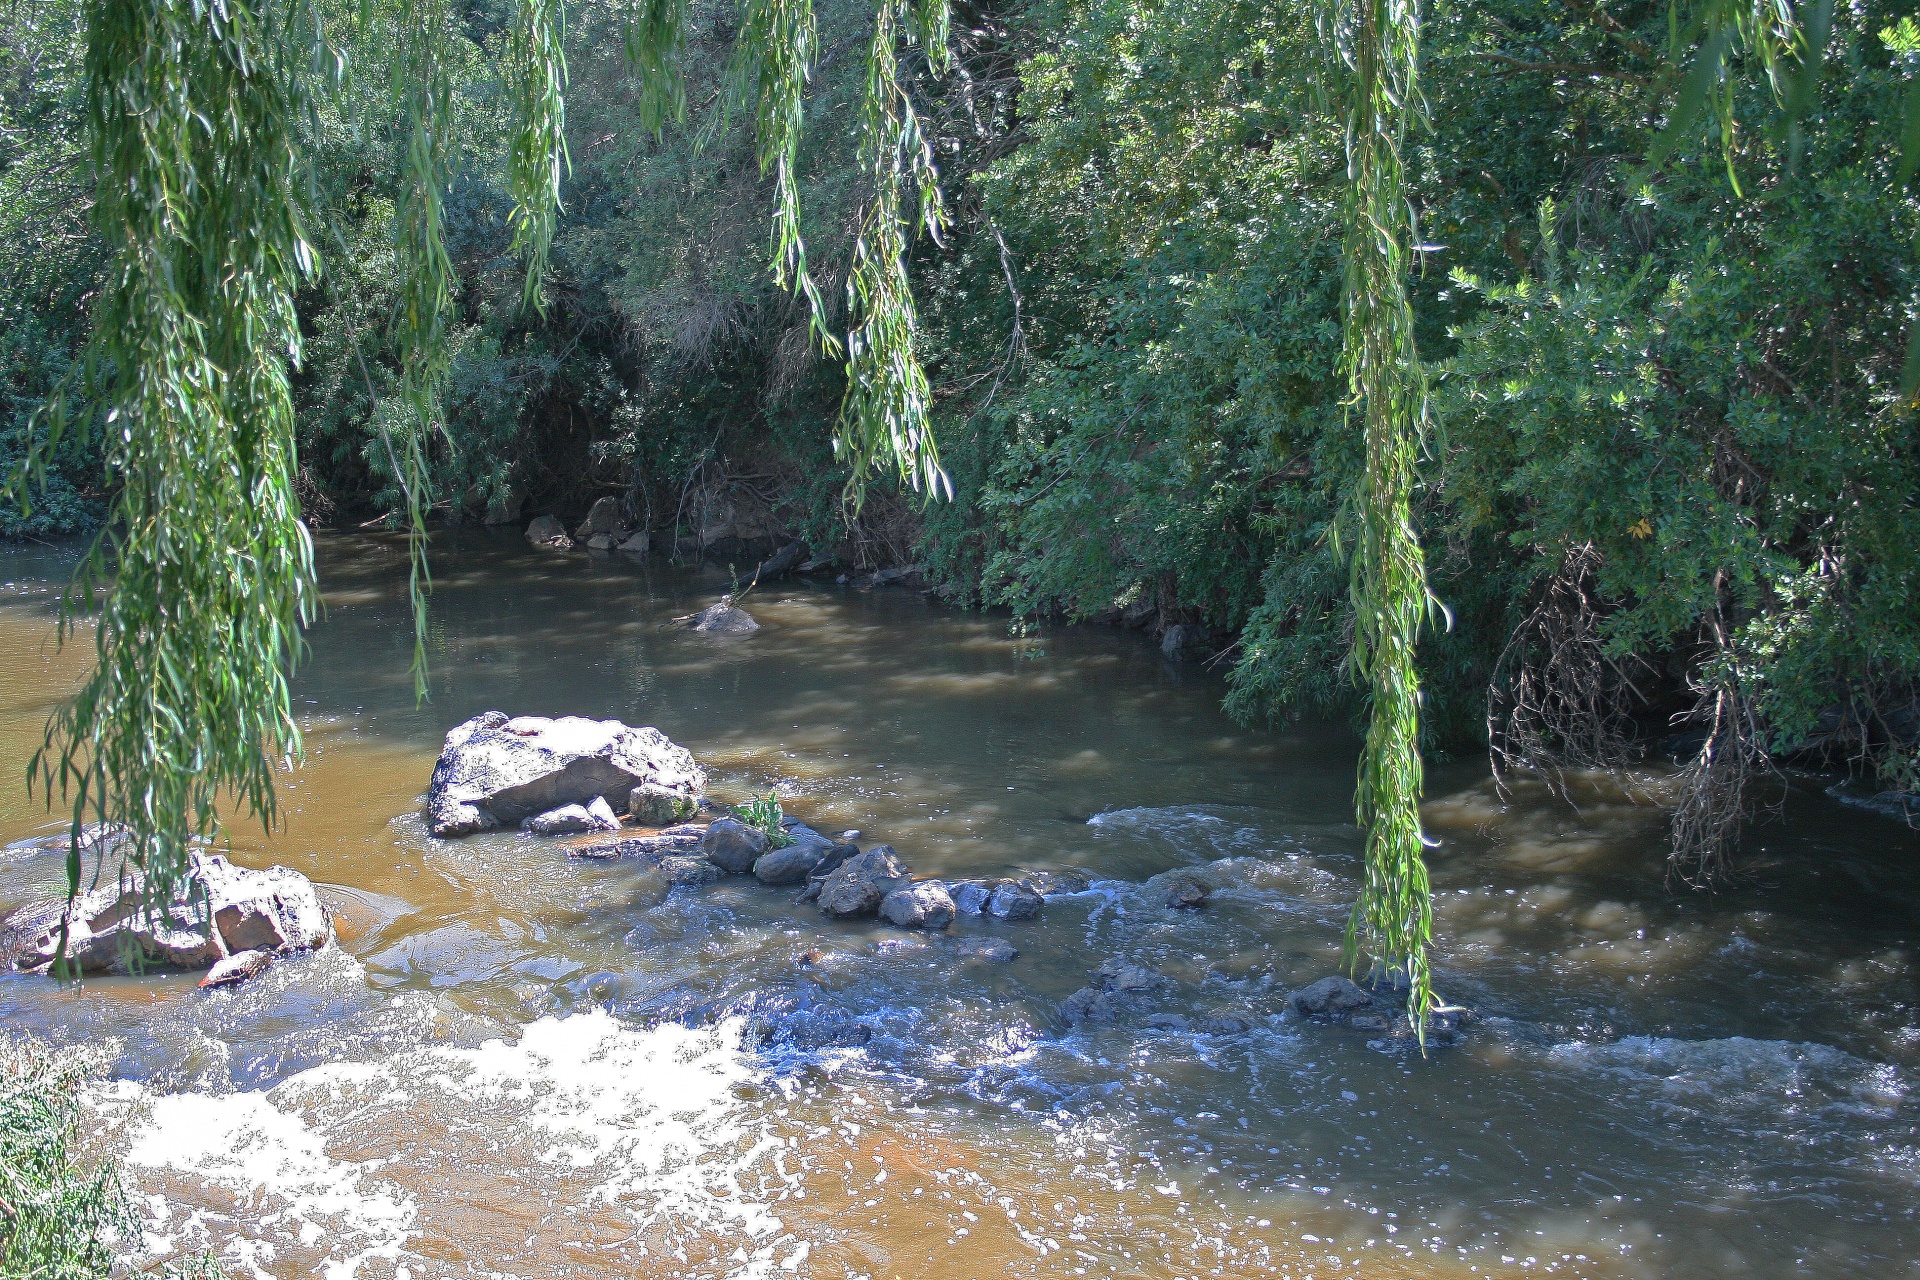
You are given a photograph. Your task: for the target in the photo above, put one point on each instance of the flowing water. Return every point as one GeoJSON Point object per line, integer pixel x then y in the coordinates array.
{"type": "Point", "coordinates": [518, 1064]}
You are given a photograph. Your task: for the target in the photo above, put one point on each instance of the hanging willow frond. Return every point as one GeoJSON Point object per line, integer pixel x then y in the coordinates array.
{"type": "Point", "coordinates": [772, 60]}
{"type": "Point", "coordinates": [537, 86]}
{"type": "Point", "coordinates": [189, 111]}
{"type": "Point", "coordinates": [656, 44]}
{"type": "Point", "coordinates": [885, 412]}
{"type": "Point", "coordinates": [1376, 43]}
{"type": "Point", "coordinates": [1786, 50]}
{"type": "Point", "coordinates": [419, 325]}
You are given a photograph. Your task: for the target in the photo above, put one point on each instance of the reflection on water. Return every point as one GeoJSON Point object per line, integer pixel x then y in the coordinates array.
{"type": "Point", "coordinates": [522, 1065]}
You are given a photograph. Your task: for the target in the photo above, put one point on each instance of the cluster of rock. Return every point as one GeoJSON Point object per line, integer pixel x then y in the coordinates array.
{"type": "Point", "coordinates": [1380, 1008]}
{"type": "Point", "coordinates": [552, 777]}
{"type": "Point", "coordinates": [604, 529]}
{"type": "Point", "coordinates": [229, 920]}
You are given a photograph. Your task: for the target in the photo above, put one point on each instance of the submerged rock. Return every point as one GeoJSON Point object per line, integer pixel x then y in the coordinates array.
{"type": "Point", "coordinates": [724, 618]}
{"type": "Point", "coordinates": [689, 868]}
{"type": "Point", "coordinates": [733, 846]}
{"type": "Point", "coordinates": [496, 771]}
{"type": "Point", "coordinates": [683, 839]}
{"type": "Point", "coordinates": [1187, 895]}
{"type": "Point", "coordinates": [573, 819]}
{"type": "Point", "coordinates": [924, 905]}
{"type": "Point", "coordinates": [1333, 997]}
{"type": "Point", "coordinates": [218, 910]}
{"type": "Point", "coordinates": [995, 950]}
{"type": "Point", "coordinates": [858, 885]}
{"type": "Point", "coordinates": [548, 532]}
{"type": "Point", "coordinates": [95, 837]}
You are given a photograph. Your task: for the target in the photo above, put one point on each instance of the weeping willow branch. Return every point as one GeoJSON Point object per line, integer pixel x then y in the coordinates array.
{"type": "Point", "coordinates": [1377, 45]}
{"type": "Point", "coordinates": [885, 413]}
{"type": "Point", "coordinates": [656, 44]}
{"type": "Point", "coordinates": [419, 326]}
{"type": "Point", "coordinates": [188, 115]}
{"type": "Point", "coordinates": [537, 84]}
{"type": "Point", "coordinates": [769, 70]}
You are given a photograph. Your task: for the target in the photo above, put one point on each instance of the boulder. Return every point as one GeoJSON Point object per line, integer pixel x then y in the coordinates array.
{"type": "Point", "coordinates": [495, 771]}
{"type": "Point", "coordinates": [1187, 895]}
{"type": "Point", "coordinates": [724, 618]}
{"type": "Point", "coordinates": [794, 864]}
{"type": "Point", "coordinates": [970, 897]}
{"type": "Point", "coordinates": [600, 542]}
{"type": "Point", "coordinates": [781, 562]}
{"type": "Point", "coordinates": [654, 805]}
{"type": "Point", "coordinates": [924, 905]}
{"type": "Point", "coordinates": [639, 544]}
{"type": "Point", "coordinates": [1174, 642]}
{"type": "Point", "coordinates": [1334, 997]}
{"type": "Point", "coordinates": [546, 531]}
{"type": "Point", "coordinates": [733, 846]}
{"type": "Point", "coordinates": [1013, 900]}
{"type": "Point", "coordinates": [858, 885]}
{"type": "Point", "coordinates": [217, 911]}
{"type": "Point", "coordinates": [571, 819]}
{"type": "Point", "coordinates": [603, 518]}
{"type": "Point", "coordinates": [503, 508]}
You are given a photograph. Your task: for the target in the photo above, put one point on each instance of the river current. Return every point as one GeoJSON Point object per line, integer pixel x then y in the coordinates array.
{"type": "Point", "coordinates": [517, 1064]}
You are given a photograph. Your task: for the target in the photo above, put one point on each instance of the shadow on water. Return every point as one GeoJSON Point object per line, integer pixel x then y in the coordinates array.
{"type": "Point", "coordinates": [520, 1064]}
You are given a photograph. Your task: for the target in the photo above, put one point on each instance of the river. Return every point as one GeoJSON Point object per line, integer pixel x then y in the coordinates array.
{"type": "Point", "coordinates": [516, 1064]}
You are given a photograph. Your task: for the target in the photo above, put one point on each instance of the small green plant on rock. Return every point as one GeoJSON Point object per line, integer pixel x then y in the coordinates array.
{"type": "Point", "coordinates": [766, 815]}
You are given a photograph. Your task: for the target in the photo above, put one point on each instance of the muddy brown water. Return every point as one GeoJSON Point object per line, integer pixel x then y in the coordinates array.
{"type": "Point", "coordinates": [520, 1065]}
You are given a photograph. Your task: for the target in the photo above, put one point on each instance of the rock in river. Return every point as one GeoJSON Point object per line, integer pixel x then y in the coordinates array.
{"type": "Point", "coordinates": [725, 618]}
{"type": "Point", "coordinates": [495, 771]}
{"type": "Point", "coordinates": [858, 885]}
{"type": "Point", "coordinates": [1015, 901]}
{"type": "Point", "coordinates": [219, 910]}
{"type": "Point", "coordinates": [1334, 997]}
{"type": "Point", "coordinates": [571, 819]}
{"type": "Point", "coordinates": [653, 805]}
{"type": "Point", "coordinates": [924, 905]}
{"type": "Point", "coordinates": [733, 846]}
{"type": "Point", "coordinates": [545, 531]}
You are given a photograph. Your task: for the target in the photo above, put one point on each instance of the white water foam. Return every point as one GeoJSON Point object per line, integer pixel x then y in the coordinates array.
{"type": "Point", "coordinates": [586, 1127]}
{"type": "Point", "coordinates": [1737, 1071]}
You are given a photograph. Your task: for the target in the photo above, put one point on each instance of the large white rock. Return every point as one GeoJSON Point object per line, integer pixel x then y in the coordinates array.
{"type": "Point", "coordinates": [218, 910]}
{"type": "Point", "coordinates": [496, 771]}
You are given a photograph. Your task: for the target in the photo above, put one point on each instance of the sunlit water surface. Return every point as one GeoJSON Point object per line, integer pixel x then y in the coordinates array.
{"type": "Point", "coordinates": [523, 1065]}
